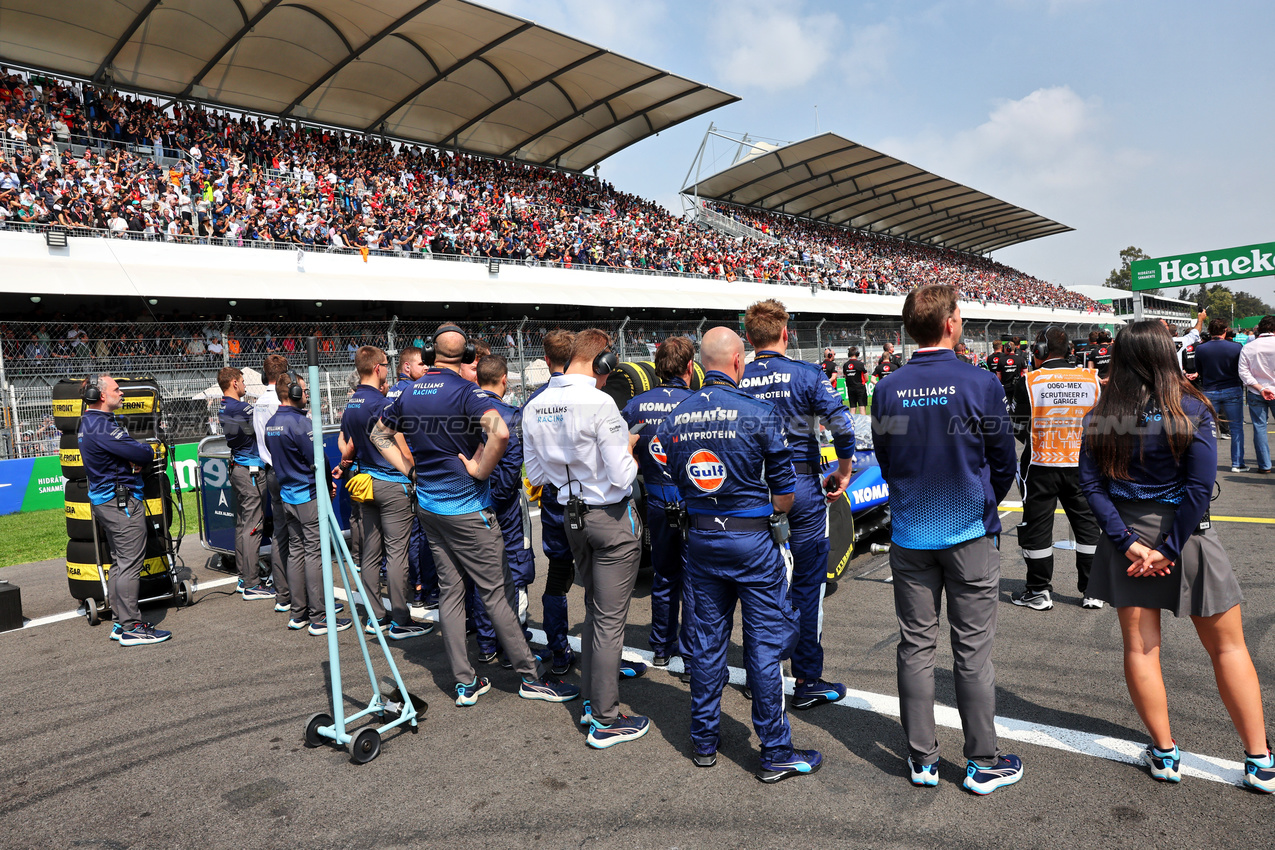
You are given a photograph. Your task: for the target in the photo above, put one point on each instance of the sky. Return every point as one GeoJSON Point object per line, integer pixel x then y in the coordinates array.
{"type": "Point", "coordinates": [1136, 123]}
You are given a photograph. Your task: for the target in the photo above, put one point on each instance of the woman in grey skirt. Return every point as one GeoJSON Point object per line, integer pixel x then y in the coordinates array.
{"type": "Point", "coordinates": [1147, 467]}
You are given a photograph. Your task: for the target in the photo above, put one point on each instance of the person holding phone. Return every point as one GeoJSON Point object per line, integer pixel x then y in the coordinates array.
{"type": "Point", "coordinates": [1149, 487]}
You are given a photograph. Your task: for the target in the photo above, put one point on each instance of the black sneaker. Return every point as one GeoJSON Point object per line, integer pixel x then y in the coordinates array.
{"type": "Point", "coordinates": [704, 759]}
{"type": "Point", "coordinates": [487, 656]}
{"type": "Point", "coordinates": [562, 663]}
{"type": "Point", "coordinates": [798, 763]}
{"type": "Point", "coordinates": [1037, 600]}
{"type": "Point", "coordinates": [659, 661]}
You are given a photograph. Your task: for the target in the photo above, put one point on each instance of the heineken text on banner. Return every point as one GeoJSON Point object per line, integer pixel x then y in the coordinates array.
{"type": "Point", "coordinates": [1204, 266]}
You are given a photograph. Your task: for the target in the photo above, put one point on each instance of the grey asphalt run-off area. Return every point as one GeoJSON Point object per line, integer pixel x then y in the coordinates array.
{"type": "Point", "coordinates": [198, 742]}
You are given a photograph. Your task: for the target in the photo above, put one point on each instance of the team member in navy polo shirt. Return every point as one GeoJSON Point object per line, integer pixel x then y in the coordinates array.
{"type": "Point", "coordinates": [387, 516]}
{"type": "Point", "coordinates": [247, 479]}
{"type": "Point", "coordinates": [674, 365]}
{"type": "Point", "coordinates": [112, 464]}
{"type": "Point", "coordinates": [943, 439]}
{"type": "Point", "coordinates": [1218, 363]}
{"type": "Point", "coordinates": [730, 461]}
{"type": "Point", "coordinates": [442, 416]}
{"type": "Point", "coordinates": [289, 439]}
{"type": "Point", "coordinates": [421, 571]}
{"type": "Point", "coordinates": [803, 398]}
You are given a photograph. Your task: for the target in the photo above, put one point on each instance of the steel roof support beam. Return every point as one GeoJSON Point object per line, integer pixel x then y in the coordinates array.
{"type": "Point", "coordinates": [881, 192]}
{"type": "Point", "coordinates": [853, 178]}
{"type": "Point", "coordinates": [228, 46]}
{"type": "Point", "coordinates": [419, 49]}
{"type": "Point", "coordinates": [460, 63]}
{"type": "Point", "coordinates": [355, 54]}
{"type": "Point", "coordinates": [124, 38]}
{"type": "Point", "coordinates": [640, 114]}
{"type": "Point", "coordinates": [782, 168]}
{"type": "Point", "coordinates": [584, 110]}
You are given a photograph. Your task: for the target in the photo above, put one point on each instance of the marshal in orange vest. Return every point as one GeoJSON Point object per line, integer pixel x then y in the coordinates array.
{"type": "Point", "coordinates": [1060, 398]}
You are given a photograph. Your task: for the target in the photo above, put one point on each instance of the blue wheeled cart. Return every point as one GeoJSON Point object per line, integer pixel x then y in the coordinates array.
{"type": "Point", "coordinates": [216, 503]}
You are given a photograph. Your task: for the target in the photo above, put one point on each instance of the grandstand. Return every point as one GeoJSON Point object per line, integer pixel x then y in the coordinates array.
{"type": "Point", "coordinates": [428, 162]}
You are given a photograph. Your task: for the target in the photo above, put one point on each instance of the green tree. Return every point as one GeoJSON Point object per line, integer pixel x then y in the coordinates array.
{"type": "Point", "coordinates": [1247, 304]}
{"type": "Point", "coordinates": [1220, 302]}
{"type": "Point", "coordinates": [1121, 278]}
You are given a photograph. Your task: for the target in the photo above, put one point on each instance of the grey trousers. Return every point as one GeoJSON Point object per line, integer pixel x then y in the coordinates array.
{"type": "Point", "coordinates": [970, 574]}
{"type": "Point", "coordinates": [305, 564]}
{"type": "Point", "coordinates": [607, 552]}
{"type": "Point", "coordinates": [387, 527]}
{"type": "Point", "coordinates": [249, 484]}
{"type": "Point", "coordinates": [125, 534]}
{"type": "Point", "coordinates": [471, 545]}
{"type": "Point", "coordinates": [278, 541]}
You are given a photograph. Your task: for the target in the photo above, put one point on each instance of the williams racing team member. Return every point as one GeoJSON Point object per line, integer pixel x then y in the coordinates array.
{"type": "Point", "coordinates": [291, 444]}
{"type": "Point", "coordinates": [442, 417]}
{"type": "Point", "coordinates": [247, 480]}
{"type": "Point", "coordinates": [421, 572]}
{"type": "Point", "coordinates": [1049, 406]}
{"type": "Point", "coordinates": [575, 438]}
{"type": "Point", "coordinates": [553, 528]}
{"type": "Point", "coordinates": [803, 398]}
{"type": "Point", "coordinates": [729, 458]}
{"type": "Point", "coordinates": [387, 511]}
{"type": "Point", "coordinates": [674, 366]}
{"type": "Point", "coordinates": [272, 367]}
{"type": "Point", "coordinates": [112, 464]}
{"type": "Point", "coordinates": [943, 439]}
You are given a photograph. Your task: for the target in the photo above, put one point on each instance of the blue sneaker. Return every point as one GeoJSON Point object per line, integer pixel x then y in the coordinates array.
{"type": "Point", "coordinates": [1165, 766]}
{"type": "Point", "coordinates": [985, 780]}
{"type": "Point", "coordinates": [625, 728]}
{"type": "Point", "coordinates": [298, 623]}
{"type": "Point", "coordinates": [143, 633]}
{"type": "Point", "coordinates": [549, 690]}
{"type": "Point", "coordinates": [798, 763]}
{"type": "Point", "coordinates": [586, 714]}
{"type": "Point", "coordinates": [469, 694]}
{"type": "Point", "coordinates": [562, 662]}
{"type": "Point", "coordinates": [1259, 771]}
{"type": "Point", "coordinates": [924, 775]}
{"type": "Point", "coordinates": [321, 627]}
{"type": "Point", "coordinates": [239, 588]}
{"type": "Point", "coordinates": [116, 631]}
{"type": "Point", "coordinates": [258, 592]}
{"type": "Point", "coordinates": [370, 629]}
{"type": "Point", "coordinates": [815, 692]}
{"type": "Point", "coordinates": [631, 669]}
{"type": "Point", "coordinates": [397, 632]}
{"type": "Point", "coordinates": [282, 607]}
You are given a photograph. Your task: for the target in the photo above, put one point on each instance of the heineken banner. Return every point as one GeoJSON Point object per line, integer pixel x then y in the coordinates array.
{"type": "Point", "coordinates": [36, 484]}
{"type": "Point", "coordinates": [1204, 266]}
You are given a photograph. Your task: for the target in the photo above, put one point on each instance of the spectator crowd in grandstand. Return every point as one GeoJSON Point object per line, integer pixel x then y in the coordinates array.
{"type": "Point", "coordinates": [244, 178]}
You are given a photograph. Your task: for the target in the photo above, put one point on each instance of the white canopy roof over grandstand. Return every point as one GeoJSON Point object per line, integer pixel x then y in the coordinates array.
{"type": "Point", "coordinates": [833, 180]}
{"type": "Point", "coordinates": [444, 72]}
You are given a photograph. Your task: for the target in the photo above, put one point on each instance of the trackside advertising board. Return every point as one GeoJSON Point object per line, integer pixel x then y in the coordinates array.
{"type": "Point", "coordinates": [36, 484]}
{"type": "Point", "coordinates": [1204, 266]}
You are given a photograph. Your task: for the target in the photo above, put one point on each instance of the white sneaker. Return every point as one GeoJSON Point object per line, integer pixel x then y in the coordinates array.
{"type": "Point", "coordinates": [1090, 602]}
{"type": "Point", "coordinates": [1239, 469]}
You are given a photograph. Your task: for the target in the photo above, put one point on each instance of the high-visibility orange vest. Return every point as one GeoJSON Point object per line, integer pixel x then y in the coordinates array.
{"type": "Point", "coordinates": [1059, 398]}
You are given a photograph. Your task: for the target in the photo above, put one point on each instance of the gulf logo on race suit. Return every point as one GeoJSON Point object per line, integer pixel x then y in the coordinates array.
{"type": "Point", "coordinates": [706, 471]}
{"type": "Point", "coordinates": [657, 452]}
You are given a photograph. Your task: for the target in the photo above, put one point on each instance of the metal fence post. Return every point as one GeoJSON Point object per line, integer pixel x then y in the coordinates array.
{"type": "Point", "coordinates": [225, 345]}
{"type": "Point", "coordinates": [819, 336]}
{"type": "Point", "coordinates": [391, 344]}
{"type": "Point", "coordinates": [522, 361]}
{"type": "Point", "coordinates": [624, 349]}
{"type": "Point", "coordinates": [11, 438]}
{"type": "Point", "coordinates": [699, 331]}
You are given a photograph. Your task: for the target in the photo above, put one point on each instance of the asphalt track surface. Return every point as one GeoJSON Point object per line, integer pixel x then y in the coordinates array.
{"type": "Point", "coordinates": [199, 742]}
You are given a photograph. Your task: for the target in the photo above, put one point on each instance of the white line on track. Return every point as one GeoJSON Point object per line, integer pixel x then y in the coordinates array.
{"type": "Point", "coordinates": [1007, 728]}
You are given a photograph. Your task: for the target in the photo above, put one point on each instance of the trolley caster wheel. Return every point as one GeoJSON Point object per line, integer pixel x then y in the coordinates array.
{"type": "Point", "coordinates": [185, 593]}
{"type": "Point", "coordinates": [365, 746]}
{"type": "Point", "coordinates": [94, 615]}
{"type": "Point", "coordinates": [312, 736]}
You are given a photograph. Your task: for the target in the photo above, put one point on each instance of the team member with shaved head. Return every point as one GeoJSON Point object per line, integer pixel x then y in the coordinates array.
{"type": "Point", "coordinates": [442, 416]}
{"type": "Point", "coordinates": [730, 461]}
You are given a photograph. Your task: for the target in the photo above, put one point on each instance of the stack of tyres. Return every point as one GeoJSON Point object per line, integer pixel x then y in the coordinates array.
{"type": "Point", "coordinates": [632, 378]}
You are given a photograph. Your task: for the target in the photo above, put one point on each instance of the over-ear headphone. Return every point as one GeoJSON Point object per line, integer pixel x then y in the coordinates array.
{"type": "Point", "coordinates": [605, 362]}
{"type": "Point", "coordinates": [1040, 348]}
{"type": "Point", "coordinates": [92, 391]}
{"type": "Point", "coordinates": [429, 351]}
{"type": "Point", "coordinates": [295, 391]}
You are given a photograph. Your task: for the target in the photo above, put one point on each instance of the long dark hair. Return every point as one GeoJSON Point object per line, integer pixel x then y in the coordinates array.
{"type": "Point", "coordinates": [1144, 374]}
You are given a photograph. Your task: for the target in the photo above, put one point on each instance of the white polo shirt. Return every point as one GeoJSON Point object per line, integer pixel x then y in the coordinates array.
{"type": "Point", "coordinates": [267, 404]}
{"type": "Point", "coordinates": [1257, 364]}
{"type": "Point", "coordinates": [573, 428]}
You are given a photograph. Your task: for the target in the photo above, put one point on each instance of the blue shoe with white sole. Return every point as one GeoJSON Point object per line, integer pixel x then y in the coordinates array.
{"type": "Point", "coordinates": [797, 763]}
{"type": "Point", "coordinates": [624, 728]}
{"type": "Point", "coordinates": [924, 775]}
{"type": "Point", "coordinates": [549, 690]}
{"type": "Point", "coordinates": [1165, 765]}
{"type": "Point", "coordinates": [985, 780]}
{"type": "Point", "coordinates": [143, 633]}
{"type": "Point", "coordinates": [116, 631]}
{"type": "Point", "coordinates": [469, 694]}
{"type": "Point", "coordinates": [1259, 772]}
{"type": "Point", "coordinates": [586, 714]}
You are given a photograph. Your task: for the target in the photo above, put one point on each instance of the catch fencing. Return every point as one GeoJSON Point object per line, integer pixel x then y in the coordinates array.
{"type": "Point", "coordinates": [185, 357]}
